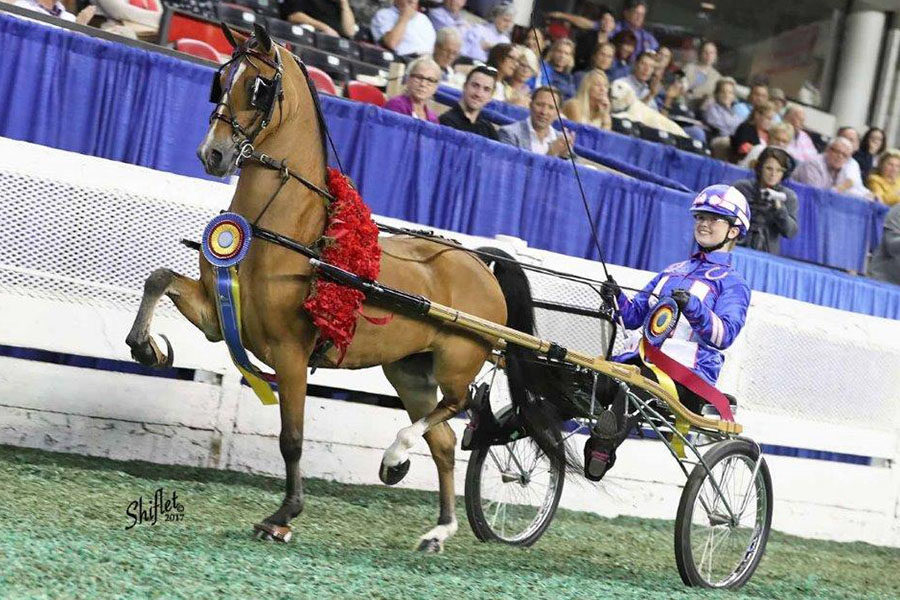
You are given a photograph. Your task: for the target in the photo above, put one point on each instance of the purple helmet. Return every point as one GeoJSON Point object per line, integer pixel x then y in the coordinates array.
{"type": "Point", "coordinates": [724, 200]}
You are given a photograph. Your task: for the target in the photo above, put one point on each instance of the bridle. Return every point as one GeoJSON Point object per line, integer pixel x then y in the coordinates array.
{"type": "Point", "coordinates": [264, 93]}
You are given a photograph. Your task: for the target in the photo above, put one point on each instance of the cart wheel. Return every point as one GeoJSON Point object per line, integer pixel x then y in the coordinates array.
{"type": "Point", "coordinates": [512, 491]}
{"type": "Point", "coordinates": [711, 548]}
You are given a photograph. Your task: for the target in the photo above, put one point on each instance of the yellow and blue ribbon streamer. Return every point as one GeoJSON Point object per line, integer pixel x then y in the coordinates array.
{"type": "Point", "coordinates": [226, 241]}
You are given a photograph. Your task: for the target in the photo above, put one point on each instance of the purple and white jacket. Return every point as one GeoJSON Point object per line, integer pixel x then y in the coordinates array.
{"type": "Point", "coordinates": [711, 320]}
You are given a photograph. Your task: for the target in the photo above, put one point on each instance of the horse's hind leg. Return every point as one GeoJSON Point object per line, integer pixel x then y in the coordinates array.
{"type": "Point", "coordinates": [191, 300]}
{"type": "Point", "coordinates": [412, 378]}
{"type": "Point", "coordinates": [456, 363]}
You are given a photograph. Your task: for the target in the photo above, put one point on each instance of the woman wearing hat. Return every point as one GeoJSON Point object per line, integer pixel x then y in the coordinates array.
{"type": "Point", "coordinates": [713, 300]}
{"type": "Point", "coordinates": [774, 206]}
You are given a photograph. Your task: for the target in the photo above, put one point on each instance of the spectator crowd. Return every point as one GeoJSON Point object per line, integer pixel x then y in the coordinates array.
{"type": "Point", "coordinates": [594, 66]}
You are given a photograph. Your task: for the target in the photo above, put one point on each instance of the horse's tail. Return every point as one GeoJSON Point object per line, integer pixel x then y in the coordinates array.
{"type": "Point", "coordinates": [535, 390]}
{"type": "Point", "coordinates": [516, 290]}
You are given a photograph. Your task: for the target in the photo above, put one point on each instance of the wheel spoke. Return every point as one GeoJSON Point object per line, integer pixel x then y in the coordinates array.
{"type": "Point", "coordinates": [724, 547]}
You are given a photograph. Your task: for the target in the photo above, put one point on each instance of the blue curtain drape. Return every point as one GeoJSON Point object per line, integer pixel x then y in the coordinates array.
{"type": "Point", "coordinates": [87, 95]}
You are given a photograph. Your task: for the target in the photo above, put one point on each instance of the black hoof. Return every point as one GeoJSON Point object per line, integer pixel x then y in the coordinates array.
{"type": "Point", "coordinates": [393, 475]}
{"type": "Point", "coordinates": [143, 354]}
{"type": "Point", "coordinates": [148, 353]}
{"type": "Point", "coordinates": [430, 546]}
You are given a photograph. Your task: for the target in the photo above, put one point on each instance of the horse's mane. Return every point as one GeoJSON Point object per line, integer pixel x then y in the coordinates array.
{"type": "Point", "coordinates": [314, 93]}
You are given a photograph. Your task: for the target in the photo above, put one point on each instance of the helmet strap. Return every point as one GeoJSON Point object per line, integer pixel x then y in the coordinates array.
{"type": "Point", "coordinates": [720, 245]}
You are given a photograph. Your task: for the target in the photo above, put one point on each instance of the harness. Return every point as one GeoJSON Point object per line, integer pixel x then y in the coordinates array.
{"type": "Point", "coordinates": [226, 238]}
{"type": "Point", "coordinates": [264, 92]}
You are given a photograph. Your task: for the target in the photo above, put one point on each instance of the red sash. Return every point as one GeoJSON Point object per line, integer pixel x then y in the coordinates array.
{"type": "Point", "coordinates": [681, 374]}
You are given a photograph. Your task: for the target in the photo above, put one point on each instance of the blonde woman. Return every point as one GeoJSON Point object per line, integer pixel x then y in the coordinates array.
{"type": "Point", "coordinates": [780, 136]}
{"type": "Point", "coordinates": [526, 70]}
{"type": "Point", "coordinates": [885, 181]}
{"type": "Point", "coordinates": [591, 103]}
{"type": "Point", "coordinates": [560, 61]}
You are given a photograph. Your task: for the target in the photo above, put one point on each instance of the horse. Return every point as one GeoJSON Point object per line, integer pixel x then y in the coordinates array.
{"type": "Point", "coordinates": [266, 103]}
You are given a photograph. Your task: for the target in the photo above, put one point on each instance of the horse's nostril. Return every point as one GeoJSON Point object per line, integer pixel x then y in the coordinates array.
{"type": "Point", "coordinates": [215, 158]}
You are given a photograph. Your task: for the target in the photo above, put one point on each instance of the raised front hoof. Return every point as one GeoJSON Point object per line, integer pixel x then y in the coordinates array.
{"type": "Point", "coordinates": [393, 475]}
{"type": "Point", "coordinates": [148, 353]}
{"type": "Point", "coordinates": [272, 533]}
{"type": "Point", "coordinates": [430, 546]}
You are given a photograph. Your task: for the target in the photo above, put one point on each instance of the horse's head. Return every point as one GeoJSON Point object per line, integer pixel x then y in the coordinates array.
{"type": "Point", "coordinates": [245, 90]}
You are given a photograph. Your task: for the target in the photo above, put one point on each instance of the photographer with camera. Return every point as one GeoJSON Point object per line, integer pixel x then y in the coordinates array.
{"type": "Point", "coordinates": [772, 205]}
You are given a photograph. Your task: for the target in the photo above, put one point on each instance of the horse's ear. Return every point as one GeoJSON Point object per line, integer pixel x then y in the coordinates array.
{"type": "Point", "coordinates": [229, 35]}
{"type": "Point", "coordinates": [262, 36]}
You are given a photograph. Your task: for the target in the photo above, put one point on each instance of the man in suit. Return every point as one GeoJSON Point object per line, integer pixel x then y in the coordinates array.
{"type": "Point", "coordinates": [535, 133]}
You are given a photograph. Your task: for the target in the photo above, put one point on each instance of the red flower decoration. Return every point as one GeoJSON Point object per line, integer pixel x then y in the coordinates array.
{"type": "Point", "coordinates": [352, 244]}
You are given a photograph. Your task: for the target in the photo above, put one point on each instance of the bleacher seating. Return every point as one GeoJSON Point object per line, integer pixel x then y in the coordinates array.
{"type": "Point", "coordinates": [322, 80]}
{"type": "Point", "coordinates": [346, 60]}
{"type": "Point", "coordinates": [290, 32]}
{"type": "Point", "coordinates": [363, 92]}
{"type": "Point", "coordinates": [626, 127]}
{"type": "Point", "coordinates": [237, 15]}
{"type": "Point", "coordinates": [203, 8]}
{"type": "Point", "coordinates": [691, 145]}
{"type": "Point", "coordinates": [656, 135]}
{"type": "Point", "coordinates": [337, 67]}
{"type": "Point", "coordinates": [337, 45]}
{"type": "Point", "coordinates": [267, 8]}
{"type": "Point", "coordinates": [375, 55]}
{"type": "Point", "coordinates": [198, 48]}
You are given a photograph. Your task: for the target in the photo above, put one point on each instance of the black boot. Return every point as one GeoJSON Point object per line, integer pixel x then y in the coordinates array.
{"type": "Point", "coordinates": [600, 448]}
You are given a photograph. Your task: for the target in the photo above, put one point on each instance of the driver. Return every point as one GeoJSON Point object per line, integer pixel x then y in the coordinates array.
{"type": "Point", "coordinates": [712, 298]}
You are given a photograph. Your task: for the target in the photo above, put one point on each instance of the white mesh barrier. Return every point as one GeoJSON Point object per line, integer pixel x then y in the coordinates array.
{"type": "Point", "coordinates": [828, 365]}
{"type": "Point", "coordinates": [82, 230]}
{"type": "Point", "coordinates": [570, 326]}
{"type": "Point", "coordinates": [89, 245]}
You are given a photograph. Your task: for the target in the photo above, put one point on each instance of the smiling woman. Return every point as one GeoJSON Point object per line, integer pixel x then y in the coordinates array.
{"type": "Point", "coordinates": [711, 297]}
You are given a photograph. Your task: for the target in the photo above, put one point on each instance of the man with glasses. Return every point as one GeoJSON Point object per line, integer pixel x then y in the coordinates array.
{"type": "Point", "coordinates": [421, 84]}
{"type": "Point", "coordinates": [446, 51]}
{"type": "Point", "coordinates": [477, 91]}
{"type": "Point", "coordinates": [828, 170]}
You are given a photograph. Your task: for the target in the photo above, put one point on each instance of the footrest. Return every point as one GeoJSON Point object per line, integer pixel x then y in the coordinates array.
{"type": "Point", "coordinates": [484, 429]}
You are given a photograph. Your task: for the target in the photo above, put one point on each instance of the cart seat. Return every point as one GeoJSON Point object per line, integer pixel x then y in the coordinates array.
{"type": "Point", "coordinates": [710, 411]}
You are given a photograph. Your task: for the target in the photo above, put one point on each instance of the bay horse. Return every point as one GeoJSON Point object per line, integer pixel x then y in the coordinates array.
{"type": "Point", "coordinates": [265, 102]}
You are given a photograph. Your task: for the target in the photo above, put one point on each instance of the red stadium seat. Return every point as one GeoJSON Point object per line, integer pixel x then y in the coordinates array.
{"type": "Point", "coordinates": [145, 4]}
{"type": "Point", "coordinates": [557, 30]}
{"type": "Point", "coordinates": [198, 48]}
{"type": "Point", "coordinates": [139, 15]}
{"type": "Point", "coordinates": [364, 92]}
{"type": "Point", "coordinates": [322, 80]}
